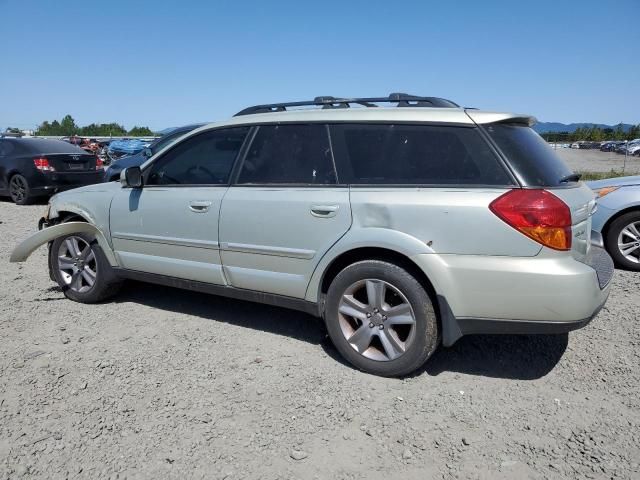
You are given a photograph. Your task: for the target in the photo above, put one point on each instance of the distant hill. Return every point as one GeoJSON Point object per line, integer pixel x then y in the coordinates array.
{"type": "Point", "coordinates": [553, 127]}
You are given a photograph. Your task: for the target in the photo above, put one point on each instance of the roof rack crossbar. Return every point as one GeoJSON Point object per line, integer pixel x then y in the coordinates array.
{"type": "Point", "coordinates": [400, 99]}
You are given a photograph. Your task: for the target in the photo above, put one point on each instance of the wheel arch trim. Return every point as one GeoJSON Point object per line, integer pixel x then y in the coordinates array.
{"type": "Point", "coordinates": [380, 238]}
{"type": "Point", "coordinates": [22, 251]}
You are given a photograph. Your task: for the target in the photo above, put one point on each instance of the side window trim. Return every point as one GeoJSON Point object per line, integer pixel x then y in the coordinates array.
{"type": "Point", "coordinates": [235, 174]}
{"type": "Point", "coordinates": [147, 170]}
{"type": "Point", "coordinates": [345, 169]}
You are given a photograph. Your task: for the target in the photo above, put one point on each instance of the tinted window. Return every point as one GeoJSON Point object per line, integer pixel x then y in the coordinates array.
{"type": "Point", "coordinates": [168, 139]}
{"type": "Point", "coordinates": [205, 159]}
{"type": "Point", "coordinates": [529, 155]}
{"type": "Point", "coordinates": [415, 154]}
{"type": "Point", "coordinates": [39, 145]}
{"type": "Point", "coordinates": [289, 154]}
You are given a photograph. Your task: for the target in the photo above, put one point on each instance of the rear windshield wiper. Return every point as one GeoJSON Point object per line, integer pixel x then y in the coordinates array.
{"type": "Point", "coordinates": [574, 177]}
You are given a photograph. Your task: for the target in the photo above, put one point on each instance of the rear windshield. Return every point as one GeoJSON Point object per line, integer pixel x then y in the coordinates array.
{"type": "Point", "coordinates": [533, 160]}
{"type": "Point", "coordinates": [37, 145]}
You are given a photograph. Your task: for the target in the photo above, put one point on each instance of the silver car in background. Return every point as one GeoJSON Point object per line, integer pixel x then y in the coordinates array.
{"type": "Point", "coordinates": [618, 218]}
{"type": "Point", "coordinates": [403, 228]}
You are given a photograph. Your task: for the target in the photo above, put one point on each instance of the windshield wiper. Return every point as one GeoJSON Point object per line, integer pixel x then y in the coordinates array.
{"type": "Point", "coordinates": [574, 177]}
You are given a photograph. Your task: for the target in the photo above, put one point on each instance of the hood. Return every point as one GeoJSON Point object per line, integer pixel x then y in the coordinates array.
{"type": "Point", "coordinates": [615, 182]}
{"type": "Point", "coordinates": [111, 187]}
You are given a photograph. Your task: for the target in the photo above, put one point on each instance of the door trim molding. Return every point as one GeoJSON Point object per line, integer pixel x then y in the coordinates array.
{"type": "Point", "coordinates": [265, 250]}
{"type": "Point", "coordinates": [183, 242]}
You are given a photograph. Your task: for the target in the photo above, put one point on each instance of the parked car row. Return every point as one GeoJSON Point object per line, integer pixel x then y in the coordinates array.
{"type": "Point", "coordinates": [403, 228]}
{"type": "Point", "coordinates": [631, 147]}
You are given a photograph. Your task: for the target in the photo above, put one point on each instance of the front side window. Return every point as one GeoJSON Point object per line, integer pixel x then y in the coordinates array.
{"type": "Point", "coordinates": [205, 159]}
{"type": "Point", "coordinates": [289, 154]}
{"type": "Point", "coordinates": [415, 154]}
{"type": "Point", "coordinates": [167, 139]}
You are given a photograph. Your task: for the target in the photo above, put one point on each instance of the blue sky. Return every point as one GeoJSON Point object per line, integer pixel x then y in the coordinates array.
{"type": "Point", "coordinates": [170, 63]}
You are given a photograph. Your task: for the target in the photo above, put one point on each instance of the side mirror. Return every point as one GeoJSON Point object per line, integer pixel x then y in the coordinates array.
{"type": "Point", "coordinates": [147, 152]}
{"type": "Point", "coordinates": [131, 177]}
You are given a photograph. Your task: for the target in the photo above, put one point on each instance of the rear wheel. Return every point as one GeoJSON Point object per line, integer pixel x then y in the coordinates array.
{"type": "Point", "coordinates": [381, 319]}
{"type": "Point", "coordinates": [19, 190]}
{"type": "Point", "coordinates": [623, 240]}
{"type": "Point", "coordinates": [82, 270]}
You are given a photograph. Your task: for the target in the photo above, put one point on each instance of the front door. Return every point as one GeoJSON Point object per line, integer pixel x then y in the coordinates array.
{"type": "Point", "coordinates": [170, 226]}
{"type": "Point", "coordinates": [284, 211]}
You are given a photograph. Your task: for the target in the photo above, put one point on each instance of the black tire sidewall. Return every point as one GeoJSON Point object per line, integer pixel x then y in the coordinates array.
{"type": "Point", "coordinates": [611, 240]}
{"type": "Point", "coordinates": [106, 279]}
{"type": "Point", "coordinates": [426, 335]}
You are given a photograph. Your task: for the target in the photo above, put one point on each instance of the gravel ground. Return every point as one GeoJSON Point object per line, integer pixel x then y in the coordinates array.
{"type": "Point", "coordinates": [597, 161]}
{"type": "Point", "coordinates": [163, 383]}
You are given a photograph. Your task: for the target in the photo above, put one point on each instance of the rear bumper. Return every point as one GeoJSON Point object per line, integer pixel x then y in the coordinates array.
{"type": "Point", "coordinates": [543, 294]}
{"type": "Point", "coordinates": [50, 183]}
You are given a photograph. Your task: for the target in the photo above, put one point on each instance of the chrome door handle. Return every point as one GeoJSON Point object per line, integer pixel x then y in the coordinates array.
{"type": "Point", "coordinates": [199, 207]}
{"type": "Point", "coordinates": [324, 211]}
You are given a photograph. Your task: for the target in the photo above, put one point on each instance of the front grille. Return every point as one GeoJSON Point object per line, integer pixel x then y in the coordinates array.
{"type": "Point", "coordinates": [601, 262]}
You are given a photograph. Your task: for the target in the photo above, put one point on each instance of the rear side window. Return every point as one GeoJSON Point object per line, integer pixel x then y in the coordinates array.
{"type": "Point", "coordinates": [205, 159]}
{"type": "Point", "coordinates": [529, 155]}
{"type": "Point", "coordinates": [289, 154]}
{"type": "Point", "coordinates": [415, 155]}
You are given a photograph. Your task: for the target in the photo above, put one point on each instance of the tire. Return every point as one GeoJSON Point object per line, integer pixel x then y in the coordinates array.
{"type": "Point", "coordinates": [19, 190]}
{"type": "Point", "coordinates": [386, 344]}
{"type": "Point", "coordinates": [84, 261]}
{"type": "Point", "coordinates": [623, 230]}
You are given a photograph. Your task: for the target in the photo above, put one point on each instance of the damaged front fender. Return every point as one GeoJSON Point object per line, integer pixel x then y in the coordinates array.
{"type": "Point", "coordinates": [28, 246]}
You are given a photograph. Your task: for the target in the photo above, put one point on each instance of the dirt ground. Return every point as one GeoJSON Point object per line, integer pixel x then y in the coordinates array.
{"type": "Point", "coordinates": [597, 161]}
{"type": "Point", "coordinates": [163, 383]}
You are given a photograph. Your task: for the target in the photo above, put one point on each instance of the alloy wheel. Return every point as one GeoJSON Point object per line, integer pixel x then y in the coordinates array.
{"type": "Point", "coordinates": [77, 264]}
{"type": "Point", "coordinates": [18, 188]}
{"type": "Point", "coordinates": [377, 320]}
{"type": "Point", "coordinates": [629, 242]}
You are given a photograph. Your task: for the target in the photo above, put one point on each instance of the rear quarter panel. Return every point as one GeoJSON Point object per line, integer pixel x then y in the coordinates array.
{"type": "Point", "coordinates": [416, 221]}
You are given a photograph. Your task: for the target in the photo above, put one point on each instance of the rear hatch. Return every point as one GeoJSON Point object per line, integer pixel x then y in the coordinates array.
{"type": "Point", "coordinates": [536, 165]}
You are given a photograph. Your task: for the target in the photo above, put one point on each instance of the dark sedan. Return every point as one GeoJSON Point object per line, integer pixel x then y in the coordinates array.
{"type": "Point", "coordinates": [113, 172]}
{"type": "Point", "coordinates": [35, 167]}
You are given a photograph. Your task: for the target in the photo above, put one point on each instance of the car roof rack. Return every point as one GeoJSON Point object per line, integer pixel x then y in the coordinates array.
{"type": "Point", "coordinates": [400, 99]}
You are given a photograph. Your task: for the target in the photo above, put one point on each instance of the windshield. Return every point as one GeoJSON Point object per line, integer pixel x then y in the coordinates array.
{"type": "Point", "coordinates": [532, 159]}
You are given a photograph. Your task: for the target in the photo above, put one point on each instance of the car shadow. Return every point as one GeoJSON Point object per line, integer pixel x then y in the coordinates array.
{"type": "Point", "coordinates": [518, 357]}
{"type": "Point", "coordinates": [279, 321]}
{"type": "Point", "coordinates": [34, 201]}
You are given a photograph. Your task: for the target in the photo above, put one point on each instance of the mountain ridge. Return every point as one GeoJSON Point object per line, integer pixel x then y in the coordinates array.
{"type": "Point", "coordinates": [556, 127]}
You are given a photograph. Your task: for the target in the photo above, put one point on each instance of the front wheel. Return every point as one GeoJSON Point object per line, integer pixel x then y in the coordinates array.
{"type": "Point", "coordinates": [623, 240]}
{"type": "Point", "coordinates": [381, 319]}
{"type": "Point", "coordinates": [81, 269]}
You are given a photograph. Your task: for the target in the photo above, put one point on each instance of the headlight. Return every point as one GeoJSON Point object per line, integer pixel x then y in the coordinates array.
{"type": "Point", "coordinates": [601, 192]}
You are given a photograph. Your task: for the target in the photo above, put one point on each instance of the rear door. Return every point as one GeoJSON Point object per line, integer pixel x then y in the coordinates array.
{"type": "Point", "coordinates": [284, 211]}
{"type": "Point", "coordinates": [170, 226]}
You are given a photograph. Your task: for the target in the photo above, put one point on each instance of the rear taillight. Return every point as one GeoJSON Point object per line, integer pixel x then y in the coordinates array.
{"type": "Point", "coordinates": [538, 214]}
{"type": "Point", "coordinates": [42, 164]}
{"type": "Point", "coordinates": [99, 163]}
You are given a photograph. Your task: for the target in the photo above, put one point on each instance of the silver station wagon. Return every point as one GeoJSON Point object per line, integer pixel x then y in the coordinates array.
{"type": "Point", "coordinates": [404, 222]}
